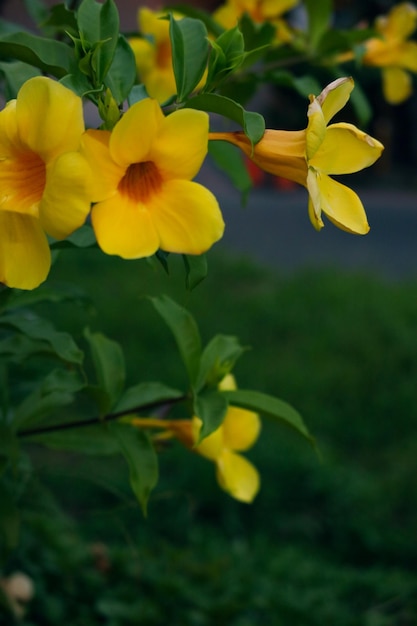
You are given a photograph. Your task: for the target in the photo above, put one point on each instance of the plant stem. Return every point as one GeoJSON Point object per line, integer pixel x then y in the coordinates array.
{"type": "Point", "coordinates": [42, 430]}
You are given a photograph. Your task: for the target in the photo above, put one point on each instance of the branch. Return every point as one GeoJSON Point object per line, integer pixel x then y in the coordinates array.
{"type": "Point", "coordinates": [41, 430]}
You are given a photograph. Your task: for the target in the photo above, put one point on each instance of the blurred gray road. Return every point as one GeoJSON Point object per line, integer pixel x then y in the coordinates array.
{"type": "Point", "coordinates": [274, 229]}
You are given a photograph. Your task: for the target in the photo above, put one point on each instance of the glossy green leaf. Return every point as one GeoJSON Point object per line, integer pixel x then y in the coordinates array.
{"type": "Point", "coordinates": [57, 390]}
{"type": "Point", "coordinates": [92, 440]}
{"type": "Point", "coordinates": [15, 74]}
{"type": "Point", "coordinates": [35, 327]}
{"type": "Point", "coordinates": [256, 35]}
{"type": "Point", "coordinates": [109, 364]}
{"type": "Point", "coordinates": [319, 16]}
{"type": "Point", "coordinates": [144, 396]}
{"type": "Point", "coordinates": [190, 50]}
{"type": "Point", "coordinates": [185, 331]}
{"type": "Point", "coordinates": [227, 54]}
{"type": "Point", "coordinates": [218, 359]}
{"type": "Point", "coordinates": [56, 292]}
{"type": "Point", "coordinates": [211, 408]}
{"type": "Point", "coordinates": [52, 57]}
{"type": "Point", "coordinates": [99, 28]}
{"type": "Point", "coordinates": [84, 237]}
{"type": "Point", "coordinates": [136, 94]}
{"type": "Point", "coordinates": [139, 453]}
{"type": "Point", "coordinates": [303, 85]}
{"type": "Point", "coordinates": [231, 161]}
{"type": "Point", "coordinates": [122, 74]}
{"type": "Point", "coordinates": [252, 123]}
{"type": "Point", "coordinates": [195, 269]}
{"type": "Point", "coordinates": [268, 406]}
{"type": "Point", "coordinates": [189, 11]}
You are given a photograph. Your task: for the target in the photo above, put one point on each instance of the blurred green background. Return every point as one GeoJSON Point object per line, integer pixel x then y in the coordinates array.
{"type": "Point", "coordinates": [329, 540]}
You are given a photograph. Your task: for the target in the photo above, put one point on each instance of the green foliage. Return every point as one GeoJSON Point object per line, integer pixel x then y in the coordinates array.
{"type": "Point", "coordinates": [189, 53]}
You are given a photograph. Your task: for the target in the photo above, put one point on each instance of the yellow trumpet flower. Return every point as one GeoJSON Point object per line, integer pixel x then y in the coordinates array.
{"type": "Point", "coordinates": [44, 180]}
{"type": "Point", "coordinates": [310, 156]}
{"type": "Point", "coordinates": [142, 183]}
{"type": "Point", "coordinates": [393, 53]}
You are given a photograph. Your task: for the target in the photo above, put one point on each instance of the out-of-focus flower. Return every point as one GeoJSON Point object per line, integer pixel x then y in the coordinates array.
{"type": "Point", "coordinates": [309, 156]}
{"type": "Point", "coordinates": [19, 591]}
{"type": "Point", "coordinates": [44, 180]}
{"type": "Point", "coordinates": [260, 11]}
{"type": "Point", "coordinates": [153, 55]}
{"type": "Point", "coordinates": [393, 53]}
{"type": "Point", "coordinates": [238, 432]}
{"type": "Point", "coordinates": [142, 183]}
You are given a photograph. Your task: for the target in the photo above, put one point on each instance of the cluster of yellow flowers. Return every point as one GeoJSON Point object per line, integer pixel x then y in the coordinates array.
{"type": "Point", "coordinates": [139, 176]}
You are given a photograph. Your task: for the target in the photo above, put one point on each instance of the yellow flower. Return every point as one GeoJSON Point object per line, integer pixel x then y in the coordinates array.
{"type": "Point", "coordinates": [308, 157]}
{"type": "Point", "coordinates": [393, 53]}
{"type": "Point", "coordinates": [142, 183]}
{"type": "Point", "coordinates": [238, 432]}
{"type": "Point", "coordinates": [44, 180]}
{"type": "Point", "coordinates": [153, 55]}
{"type": "Point", "coordinates": [260, 11]}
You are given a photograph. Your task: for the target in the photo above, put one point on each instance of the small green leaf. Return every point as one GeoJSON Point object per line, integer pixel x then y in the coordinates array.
{"type": "Point", "coordinates": [52, 57]}
{"type": "Point", "coordinates": [60, 19]}
{"type": "Point", "coordinates": [304, 85]}
{"type": "Point", "coordinates": [146, 394]}
{"type": "Point", "coordinates": [268, 406]}
{"type": "Point", "coordinates": [189, 11]}
{"type": "Point", "coordinates": [185, 331]}
{"type": "Point", "coordinates": [16, 73]}
{"type": "Point", "coordinates": [109, 363]}
{"type": "Point", "coordinates": [190, 50]}
{"type": "Point", "coordinates": [195, 269]}
{"type": "Point", "coordinates": [93, 440]}
{"type": "Point", "coordinates": [84, 237]}
{"type": "Point", "coordinates": [252, 123]}
{"type": "Point", "coordinates": [231, 162]}
{"type": "Point", "coordinates": [218, 359]}
{"type": "Point", "coordinates": [319, 19]}
{"type": "Point", "coordinates": [37, 328]}
{"type": "Point", "coordinates": [122, 74]}
{"type": "Point", "coordinates": [136, 94]}
{"type": "Point", "coordinates": [211, 408]}
{"type": "Point", "coordinates": [256, 35]}
{"type": "Point", "coordinates": [140, 455]}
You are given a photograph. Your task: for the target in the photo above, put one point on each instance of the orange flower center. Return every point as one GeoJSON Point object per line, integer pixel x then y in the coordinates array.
{"type": "Point", "coordinates": [164, 54]}
{"type": "Point", "coordinates": [141, 181]}
{"type": "Point", "coordinates": [22, 182]}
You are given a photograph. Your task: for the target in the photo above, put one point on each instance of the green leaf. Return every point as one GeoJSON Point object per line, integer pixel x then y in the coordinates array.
{"type": "Point", "coordinates": [37, 328]}
{"type": "Point", "coordinates": [84, 237]}
{"type": "Point", "coordinates": [195, 269]}
{"type": "Point", "coordinates": [52, 57]}
{"type": "Point", "coordinates": [60, 19]}
{"type": "Point", "coordinates": [36, 9]}
{"type": "Point", "coordinates": [185, 331]}
{"type": "Point", "coordinates": [9, 446]}
{"type": "Point", "coordinates": [9, 519]}
{"type": "Point", "coordinates": [59, 292]}
{"type": "Point", "coordinates": [256, 35]}
{"type": "Point", "coordinates": [136, 94]}
{"type": "Point", "coordinates": [99, 30]}
{"type": "Point", "coordinates": [93, 440]}
{"type": "Point", "coordinates": [270, 407]}
{"type": "Point", "coordinates": [187, 10]}
{"type": "Point", "coordinates": [252, 123]}
{"type": "Point", "coordinates": [227, 54]}
{"type": "Point", "coordinates": [15, 74]}
{"type": "Point", "coordinates": [109, 364]}
{"type": "Point", "coordinates": [211, 408]}
{"type": "Point", "coordinates": [319, 19]}
{"type": "Point", "coordinates": [54, 392]}
{"type": "Point", "coordinates": [146, 394]}
{"type": "Point", "coordinates": [122, 74]}
{"type": "Point", "coordinates": [304, 85]}
{"type": "Point", "coordinates": [190, 50]}
{"type": "Point", "coordinates": [137, 449]}
{"type": "Point", "coordinates": [361, 105]}
{"type": "Point", "coordinates": [231, 162]}
{"type": "Point", "coordinates": [218, 359]}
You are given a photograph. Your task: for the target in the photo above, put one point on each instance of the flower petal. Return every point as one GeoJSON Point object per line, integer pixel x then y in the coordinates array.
{"type": "Point", "coordinates": [186, 216]}
{"type": "Point", "coordinates": [49, 117]}
{"type": "Point", "coordinates": [133, 135]}
{"type": "Point", "coordinates": [124, 227]}
{"type": "Point", "coordinates": [67, 196]}
{"type": "Point", "coordinates": [346, 149]}
{"type": "Point", "coordinates": [181, 144]}
{"type": "Point", "coordinates": [211, 446]}
{"type": "Point", "coordinates": [400, 23]}
{"type": "Point", "coordinates": [237, 476]}
{"type": "Point", "coordinates": [334, 97]}
{"type": "Point", "coordinates": [25, 257]}
{"type": "Point", "coordinates": [316, 128]}
{"type": "Point", "coordinates": [314, 201]}
{"type": "Point", "coordinates": [397, 85]}
{"type": "Point", "coordinates": [341, 205]}
{"type": "Point", "coordinates": [106, 174]}
{"type": "Point", "coordinates": [240, 428]}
